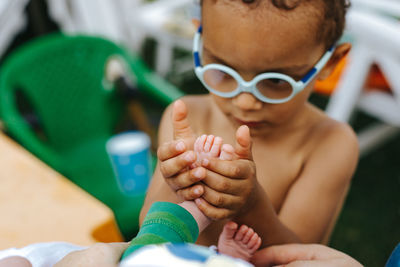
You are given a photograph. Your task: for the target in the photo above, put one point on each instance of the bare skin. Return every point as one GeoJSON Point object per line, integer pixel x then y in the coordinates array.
{"type": "Point", "coordinates": [15, 261]}
{"type": "Point", "coordinates": [301, 255]}
{"type": "Point", "coordinates": [233, 241]}
{"type": "Point", "coordinates": [238, 242]}
{"type": "Point", "coordinates": [98, 255]}
{"type": "Point", "coordinates": [291, 176]}
{"type": "Point", "coordinates": [293, 255]}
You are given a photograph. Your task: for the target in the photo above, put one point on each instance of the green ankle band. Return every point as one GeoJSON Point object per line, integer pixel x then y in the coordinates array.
{"type": "Point", "coordinates": [165, 222]}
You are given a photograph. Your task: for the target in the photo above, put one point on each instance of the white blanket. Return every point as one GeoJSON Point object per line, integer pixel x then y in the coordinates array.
{"type": "Point", "coordinates": [42, 254]}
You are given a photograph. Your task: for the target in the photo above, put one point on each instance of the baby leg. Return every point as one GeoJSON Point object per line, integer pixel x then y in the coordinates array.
{"type": "Point", "coordinates": [238, 242]}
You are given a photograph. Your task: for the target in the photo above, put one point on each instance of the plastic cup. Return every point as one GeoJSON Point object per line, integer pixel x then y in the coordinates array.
{"type": "Point", "coordinates": [131, 160]}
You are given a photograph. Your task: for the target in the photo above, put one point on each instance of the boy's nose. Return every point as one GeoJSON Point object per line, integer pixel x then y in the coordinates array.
{"type": "Point", "coordinates": [247, 101]}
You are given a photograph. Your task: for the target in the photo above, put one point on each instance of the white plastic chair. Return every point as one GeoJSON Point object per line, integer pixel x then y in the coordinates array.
{"type": "Point", "coordinates": [167, 22]}
{"type": "Point", "coordinates": [388, 7]}
{"type": "Point", "coordinates": [88, 16]}
{"type": "Point", "coordinates": [376, 32]}
{"type": "Point", "coordinates": [130, 22]}
{"type": "Point", "coordinates": [12, 20]}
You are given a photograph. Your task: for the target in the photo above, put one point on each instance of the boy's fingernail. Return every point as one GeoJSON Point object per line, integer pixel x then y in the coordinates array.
{"type": "Point", "coordinates": [197, 201]}
{"type": "Point", "coordinates": [198, 173]}
{"type": "Point", "coordinates": [205, 162]}
{"type": "Point", "coordinates": [189, 157]}
{"type": "Point", "coordinates": [180, 146]}
{"type": "Point", "coordinates": [197, 191]}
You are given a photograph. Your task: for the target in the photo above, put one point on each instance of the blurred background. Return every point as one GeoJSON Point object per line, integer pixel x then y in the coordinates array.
{"type": "Point", "coordinates": [138, 54]}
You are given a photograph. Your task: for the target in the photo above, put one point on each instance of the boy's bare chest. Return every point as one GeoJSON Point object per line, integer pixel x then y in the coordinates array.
{"type": "Point", "coordinates": [276, 172]}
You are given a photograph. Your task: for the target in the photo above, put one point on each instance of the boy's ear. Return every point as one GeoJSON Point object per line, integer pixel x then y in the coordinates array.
{"type": "Point", "coordinates": [196, 23]}
{"type": "Point", "coordinates": [340, 52]}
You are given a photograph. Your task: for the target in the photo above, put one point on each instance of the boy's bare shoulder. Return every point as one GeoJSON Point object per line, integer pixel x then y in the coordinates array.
{"type": "Point", "coordinates": [331, 136]}
{"type": "Point", "coordinates": [199, 111]}
{"type": "Point", "coordinates": [329, 129]}
{"type": "Point", "coordinates": [198, 107]}
{"type": "Point", "coordinates": [195, 102]}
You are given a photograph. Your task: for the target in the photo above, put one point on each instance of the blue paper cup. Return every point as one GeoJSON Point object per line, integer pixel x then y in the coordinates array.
{"type": "Point", "coordinates": [130, 157]}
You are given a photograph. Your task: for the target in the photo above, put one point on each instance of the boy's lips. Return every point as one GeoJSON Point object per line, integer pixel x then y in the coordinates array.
{"type": "Point", "coordinates": [248, 123]}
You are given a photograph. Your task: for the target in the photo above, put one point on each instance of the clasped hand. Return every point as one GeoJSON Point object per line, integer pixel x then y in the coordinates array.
{"type": "Point", "coordinates": [221, 188]}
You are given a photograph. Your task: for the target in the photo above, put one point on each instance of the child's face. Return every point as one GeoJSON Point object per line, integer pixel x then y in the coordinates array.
{"type": "Point", "coordinates": [258, 38]}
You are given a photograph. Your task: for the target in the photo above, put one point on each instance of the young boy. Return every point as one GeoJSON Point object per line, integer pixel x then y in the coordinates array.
{"type": "Point", "coordinates": [259, 60]}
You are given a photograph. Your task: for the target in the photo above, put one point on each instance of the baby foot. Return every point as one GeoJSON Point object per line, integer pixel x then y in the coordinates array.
{"type": "Point", "coordinates": [210, 146]}
{"type": "Point", "coordinates": [239, 243]}
{"type": "Point", "coordinates": [227, 152]}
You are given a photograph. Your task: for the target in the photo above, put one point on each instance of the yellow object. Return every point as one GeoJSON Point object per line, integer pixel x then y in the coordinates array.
{"type": "Point", "coordinates": [37, 204]}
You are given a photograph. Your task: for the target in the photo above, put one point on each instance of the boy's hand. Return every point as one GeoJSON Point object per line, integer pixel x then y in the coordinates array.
{"type": "Point", "coordinates": [230, 185]}
{"type": "Point", "coordinates": [301, 255]}
{"type": "Point", "coordinates": [175, 160]}
{"type": "Point", "coordinates": [177, 156]}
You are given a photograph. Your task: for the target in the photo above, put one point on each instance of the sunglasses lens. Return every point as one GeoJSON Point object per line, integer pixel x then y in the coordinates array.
{"type": "Point", "coordinates": [274, 88]}
{"type": "Point", "coordinates": [220, 80]}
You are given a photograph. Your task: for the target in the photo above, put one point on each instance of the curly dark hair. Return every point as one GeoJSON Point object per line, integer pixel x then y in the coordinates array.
{"type": "Point", "coordinates": [333, 22]}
